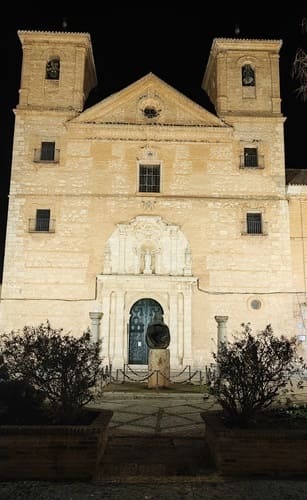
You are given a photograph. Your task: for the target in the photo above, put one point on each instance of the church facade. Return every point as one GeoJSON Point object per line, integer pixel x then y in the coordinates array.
{"type": "Point", "coordinates": [146, 203]}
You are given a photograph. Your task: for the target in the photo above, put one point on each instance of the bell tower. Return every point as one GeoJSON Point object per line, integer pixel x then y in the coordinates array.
{"type": "Point", "coordinates": [242, 77]}
{"type": "Point", "coordinates": [58, 70]}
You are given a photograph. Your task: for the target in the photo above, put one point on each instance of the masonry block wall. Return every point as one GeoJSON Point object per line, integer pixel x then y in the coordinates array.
{"type": "Point", "coordinates": [92, 191]}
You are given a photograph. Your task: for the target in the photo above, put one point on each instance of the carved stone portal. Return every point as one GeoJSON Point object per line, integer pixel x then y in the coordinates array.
{"type": "Point", "coordinates": [148, 245]}
{"type": "Point", "coordinates": [146, 258]}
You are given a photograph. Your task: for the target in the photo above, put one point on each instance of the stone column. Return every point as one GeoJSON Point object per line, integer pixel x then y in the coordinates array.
{"type": "Point", "coordinates": [180, 329]}
{"type": "Point", "coordinates": [112, 329]}
{"type": "Point", "coordinates": [187, 326]}
{"type": "Point", "coordinates": [221, 91]}
{"type": "Point", "coordinates": [172, 297]}
{"type": "Point", "coordinates": [105, 331]}
{"type": "Point", "coordinates": [122, 251]}
{"type": "Point", "coordinates": [95, 318]}
{"type": "Point", "coordinates": [118, 354]}
{"type": "Point", "coordinates": [221, 329]}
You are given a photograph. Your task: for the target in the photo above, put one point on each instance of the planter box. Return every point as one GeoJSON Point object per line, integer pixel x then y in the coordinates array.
{"type": "Point", "coordinates": [53, 452]}
{"type": "Point", "coordinates": [257, 451]}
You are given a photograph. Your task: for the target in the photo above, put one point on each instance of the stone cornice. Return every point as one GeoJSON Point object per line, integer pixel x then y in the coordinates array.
{"type": "Point", "coordinates": [40, 110]}
{"type": "Point", "coordinates": [299, 190]}
{"type": "Point", "coordinates": [157, 199]}
{"type": "Point", "coordinates": [58, 36]}
{"type": "Point", "coordinates": [229, 118]}
{"type": "Point", "coordinates": [152, 278]}
{"type": "Point", "coordinates": [242, 44]}
{"type": "Point", "coordinates": [154, 132]}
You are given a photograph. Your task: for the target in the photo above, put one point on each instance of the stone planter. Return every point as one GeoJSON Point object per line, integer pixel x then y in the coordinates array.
{"type": "Point", "coordinates": [53, 452]}
{"type": "Point", "coordinates": [274, 451]}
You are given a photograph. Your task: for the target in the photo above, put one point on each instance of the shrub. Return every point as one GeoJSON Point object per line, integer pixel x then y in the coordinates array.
{"type": "Point", "coordinates": [252, 372]}
{"type": "Point", "coordinates": [62, 367]}
{"type": "Point", "coordinates": [20, 402]}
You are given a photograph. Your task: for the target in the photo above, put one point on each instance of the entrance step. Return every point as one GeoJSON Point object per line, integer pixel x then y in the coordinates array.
{"type": "Point", "coordinates": [149, 456]}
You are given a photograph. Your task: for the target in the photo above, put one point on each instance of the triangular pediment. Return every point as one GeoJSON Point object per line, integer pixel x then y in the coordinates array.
{"type": "Point", "coordinates": [149, 101]}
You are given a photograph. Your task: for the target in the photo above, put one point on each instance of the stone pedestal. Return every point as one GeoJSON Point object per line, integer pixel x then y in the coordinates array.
{"type": "Point", "coordinates": [159, 366]}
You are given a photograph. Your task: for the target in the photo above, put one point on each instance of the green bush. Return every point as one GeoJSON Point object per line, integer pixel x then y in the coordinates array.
{"type": "Point", "coordinates": [63, 368]}
{"type": "Point", "coordinates": [252, 372]}
{"type": "Point", "coordinates": [20, 402]}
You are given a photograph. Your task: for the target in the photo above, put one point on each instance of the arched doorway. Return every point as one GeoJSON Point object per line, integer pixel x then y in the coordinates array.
{"type": "Point", "coordinates": [141, 314]}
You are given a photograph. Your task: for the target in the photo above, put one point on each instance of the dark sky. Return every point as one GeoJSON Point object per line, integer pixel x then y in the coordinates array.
{"type": "Point", "coordinates": [172, 43]}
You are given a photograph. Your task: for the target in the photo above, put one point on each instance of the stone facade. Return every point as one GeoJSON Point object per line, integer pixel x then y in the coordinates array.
{"type": "Point", "coordinates": [150, 199]}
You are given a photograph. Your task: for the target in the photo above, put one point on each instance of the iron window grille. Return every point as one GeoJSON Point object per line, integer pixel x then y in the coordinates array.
{"type": "Point", "coordinates": [47, 153]}
{"type": "Point", "coordinates": [250, 157]}
{"type": "Point", "coordinates": [251, 162]}
{"type": "Point", "coordinates": [149, 179]}
{"type": "Point", "coordinates": [254, 223]}
{"type": "Point", "coordinates": [42, 222]}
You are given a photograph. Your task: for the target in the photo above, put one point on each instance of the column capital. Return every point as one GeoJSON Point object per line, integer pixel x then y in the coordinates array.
{"type": "Point", "coordinates": [221, 319]}
{"type": "Point", "coordinates": [95, 315]}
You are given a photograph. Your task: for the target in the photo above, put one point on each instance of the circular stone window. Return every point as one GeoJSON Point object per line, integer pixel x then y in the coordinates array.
{"type": "Point", "coordinates": [151, 112]}
{"type": "Point", "coordinates": [150, 107]}
{"type": "Point", "coordinates": [255, 304]}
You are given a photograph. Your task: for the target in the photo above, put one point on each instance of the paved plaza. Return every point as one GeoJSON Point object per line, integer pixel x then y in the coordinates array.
{"type": "Point", "coordinates": [157, 451]}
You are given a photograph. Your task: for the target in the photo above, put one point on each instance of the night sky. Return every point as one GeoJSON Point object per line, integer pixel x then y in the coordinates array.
{"type": "Point", "coordinates": [172, 43]}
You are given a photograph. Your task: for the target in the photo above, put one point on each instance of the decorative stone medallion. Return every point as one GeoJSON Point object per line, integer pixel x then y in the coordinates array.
{"type": "Point", "coordinates": [150, 107]}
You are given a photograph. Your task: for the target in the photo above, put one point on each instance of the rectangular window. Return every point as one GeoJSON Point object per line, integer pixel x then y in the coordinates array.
{"type": "Point", "coordinates": [250, 157]}
{"type": "Point", "coordinates": [149, 179]}
{"type": "Point", "coordinates": [254, 223]}
{"type": "Point", "coordinates": [42, 221]}
{"type": "Point", "coordinates": [47, 151]}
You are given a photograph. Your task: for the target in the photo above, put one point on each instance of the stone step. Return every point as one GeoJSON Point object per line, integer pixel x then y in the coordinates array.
{"type": "Point", "coordinates": [155, 456]}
